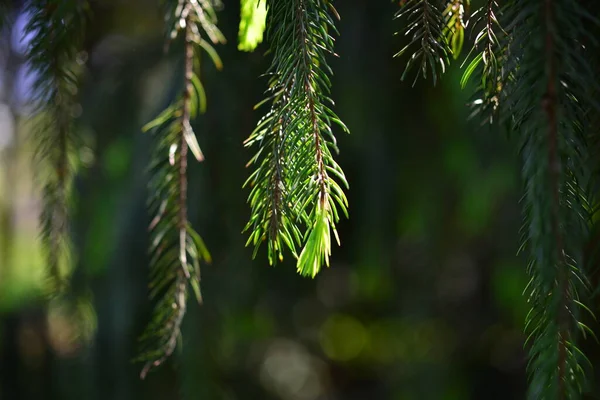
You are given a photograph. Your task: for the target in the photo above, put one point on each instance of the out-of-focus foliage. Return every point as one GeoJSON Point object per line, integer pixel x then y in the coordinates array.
{"type": "Point", "coordinates": [424, 297]}
{"type": "Point", "coordinates": [454, 31]}
{"type": "Point", "coordinates": [56, 29]}
{"type": "Point", "coordinates": [252, 24]}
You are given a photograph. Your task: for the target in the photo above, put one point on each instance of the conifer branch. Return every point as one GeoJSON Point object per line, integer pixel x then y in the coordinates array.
{"type": "Point", "coordinates": [426, 28]}
{"type": "Point", "coordinates": [548, 103]}
{"type": "Point", "coordinates": [488, 63]}
{"type": "Point", "coordinates": [296, 182]}
{"type": "Point", "coordinates": [273, 216]}
{"type": "Point", "coordinates": [176, 249]}
{"type": "Point", "coordinates": [454, 30]}
{"type": "Point", "coordinates": [57, 29]}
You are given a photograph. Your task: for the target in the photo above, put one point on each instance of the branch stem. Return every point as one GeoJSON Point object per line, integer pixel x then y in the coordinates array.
{"type": "Point", "coordinates": [550, 105]}
{"type": "Point", "coordinates": [310, 94]}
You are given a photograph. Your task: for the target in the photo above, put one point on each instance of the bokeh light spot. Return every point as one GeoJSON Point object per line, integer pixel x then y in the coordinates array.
{"type": "Point", "coordinates": [343, 337]}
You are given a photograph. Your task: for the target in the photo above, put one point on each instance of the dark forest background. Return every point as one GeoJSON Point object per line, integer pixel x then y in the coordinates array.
{"type": "Point", "coordinates": [422, 301]}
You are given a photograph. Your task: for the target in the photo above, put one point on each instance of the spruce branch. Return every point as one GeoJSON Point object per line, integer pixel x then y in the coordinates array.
{"type": "Point", "coordinates": [273, 217]}
{"type": "Point", "coordinates": [176, 250]}
{"type": "Point", "coordinates": [57, 27]}
{"type": "Point", "coordinates": [296, 194]}
{"type": "Point", "coordinates": [487, 62]}
{"type": "Point", "coordinates": [426, 27]}
{"type": "Point", "coordinates": [548, 102]}
{"type": "Point", "coordinates": [454, 30]}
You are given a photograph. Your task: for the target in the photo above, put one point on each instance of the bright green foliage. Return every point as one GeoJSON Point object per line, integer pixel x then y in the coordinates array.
{"type": "Point", "coordinates": [548, 100]}
{"type": "Point", "coordinates": [318, 246]}
{"type": "Point", "coordinates": [428, 31]}
{"type": "Point", "coordinates": [454, 31]}
{"type": "Point", "coordinates": [58, 26]}
{"type": "Point", "coordinates": [296, 195]}
{"type": "Point", "coordinates": [176, 250]}
{"type": "Point", "coordinates": [487, 65]}
{"type": "Point", "coordinates": [252, 24]}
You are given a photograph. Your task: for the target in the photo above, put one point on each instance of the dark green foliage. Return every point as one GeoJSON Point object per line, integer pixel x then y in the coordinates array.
{"type": "Point", "coordinates": [296, 195]}
{"type": "Point", "coordinates": [4, 10]}
{"type": "Point", "coordinates": [427, 28]}
{"type": "Point", "coordinates": [58, 27]}
{"type": "Point", "coordinates": [176, 250]}
{"type": "Point", "coordinates": [536, 75]}
{"type": "Point", "coordinates": [548, 100]}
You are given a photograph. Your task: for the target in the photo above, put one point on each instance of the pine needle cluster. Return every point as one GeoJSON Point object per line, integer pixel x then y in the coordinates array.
{"type": "Point", "coordinates": [531, 63]}
{"type": "Point", "coordinates": [296, 190]}
{"type": "Point", "coordinates": [487, 62]}
{"type": "Point", "coordinates": [57, 27]}
{"type": "Point", "coordinates": [429, 32]}
{"type": "Point", "coordinates": [548, 100]}
{"type": "Point", "coordinates": [176, 249]}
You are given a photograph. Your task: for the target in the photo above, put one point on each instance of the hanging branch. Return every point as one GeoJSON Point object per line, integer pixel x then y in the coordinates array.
{"type": "Point", "coordinates": [426, 28]}
{"type": "Point", "coordinates": [273, 217]}
{"type": "Point", "coordinates": [295, 187]}
{"type": "Point", "coordinates": [488, 65]}
{"type": "Point", "coordinates": [455, 23]}
{"type": "Point", "coordinates": [176, 249]}
{"type": "Point", "coordinates": [548, 100]}
{"type": "Point", "coordinates": [57, 28]}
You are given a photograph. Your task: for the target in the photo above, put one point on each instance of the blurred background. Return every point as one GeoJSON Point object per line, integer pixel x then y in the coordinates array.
{"type": "Point", "coordinates": [423, 300]}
